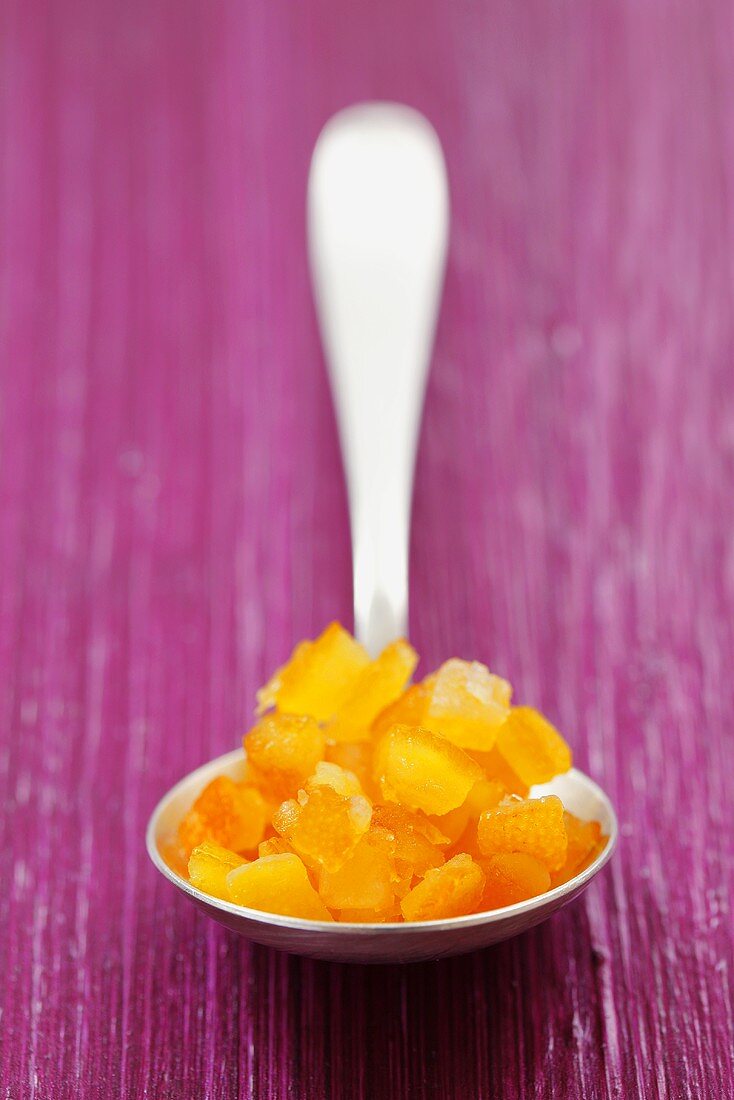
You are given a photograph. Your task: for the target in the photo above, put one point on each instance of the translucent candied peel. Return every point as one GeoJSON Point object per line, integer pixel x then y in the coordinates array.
{"type": "Point", "coordinates": [284, 749]}
{"type": "Point", "coordinates": [232, 816]}
{"type": "Point", "coordinates": [319, 677]}
{"type": "Point", "coordinates": [366, 880]}
{"type": "Point", "coordinates": [531, 825]}
{"type": "Point", "coordinates": [379, 684]}
{"type": "Point", "coordinates": [511, 877]}
{"type": "Point", "coordinates": [532, 747]}
{"type": "Point", "coordinates": [451, 890]}
{"type": "Point", "coordinates": [370, 799]}
{"type": "Point", "coordinates": [209, 866]}
{"type": "Point", "coordinates": [323, 825]}
{"type": "Point", "coordinates": [423, 770]}
{"type": "Point", "coordinates": [277, 884]}
{"type": "Point", "coordinates": [467, 704]}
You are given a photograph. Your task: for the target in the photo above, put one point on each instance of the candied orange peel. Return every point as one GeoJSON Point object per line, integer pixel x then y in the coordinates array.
{"type": "Point", "coordinates": [369, 798]}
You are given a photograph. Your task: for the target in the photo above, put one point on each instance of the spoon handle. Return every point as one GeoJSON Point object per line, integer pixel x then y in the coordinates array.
{"type": "Point", "coordinates": [378, 217]}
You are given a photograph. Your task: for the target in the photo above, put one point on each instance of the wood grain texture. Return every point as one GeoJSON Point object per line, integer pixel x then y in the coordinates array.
{"type": "Point", "coordinates": [172, 519]}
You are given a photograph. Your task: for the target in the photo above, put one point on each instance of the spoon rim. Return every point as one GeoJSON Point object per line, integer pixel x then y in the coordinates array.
{"type": "Point", "coordinates": [342, 928]}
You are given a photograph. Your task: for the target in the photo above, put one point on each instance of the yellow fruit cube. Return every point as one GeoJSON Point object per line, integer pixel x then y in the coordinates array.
{"type": "Point", "coordinates": [423, 770]}
{"type": "Point", "coordinates": [532, 747]}
{"type": "Point", "coordinates": [277, 884]}
{"type": "Point", "coordinates": [448, 891]}
{"type": "Point", "coordinates": [467, 704]}
{"type": "Point", "coordinates": [408, 709]}
{"type": "Point", "coordinates": [495, 767]}
{"type": "Point", "coordinates": [319, 678]}
{"type": "Point", "coordinates": [209, 866]}
{"type": "Point", "coordinates": [344, 782]}
{"type": "Point", "coordinates": [283, 750]}
{"type": "Point", "coordinates": [364, 881]}
{"type": "Point", "coordinates": [380, 683]}
{"type": "Point", "coordinates": [513, 877]}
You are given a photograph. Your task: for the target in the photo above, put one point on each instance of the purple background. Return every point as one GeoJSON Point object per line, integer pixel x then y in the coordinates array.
{"type": "Point", "coordinates": [173, 518]}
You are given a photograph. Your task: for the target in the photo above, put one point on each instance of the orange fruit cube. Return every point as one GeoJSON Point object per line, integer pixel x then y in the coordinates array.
{"type": "Point", "coordinates": [227, 814]}
{"type": "Point", "coordinates": [283, 750]}
{"type": "Point", "coordinates": [494, 766]}
{"type": "Point", "coordinates": [408, 709]}
{"type": "Point", "coordinates": [323, 826]}
{"type": "Point", "coordinates": [467, 704]}
{"type": "Point", "coordinates": [451, 890]}
{"type": "Point", "coordinates": [365, 879]}
{"type": "Point", "coordinates": [209, 866]}
{"type": "Point", "coordinates": [532, 747]}
{"type": "Point", "coordinates": [277, 884]}
{"type": "Point", "coordinates": [513, 877]}
{"type": "Point", "coordinates": [319, 678]}
{"type": "Point", "coordinates": [380, 683]}
{"type": "Point", "coordinates": [423, 770]}
{"type": "Point", "coordinates": [531, 825]}
{"type": "Point", "coordinates": [415, 842]}
{"type": "Point", "coordinates": [583, 836]}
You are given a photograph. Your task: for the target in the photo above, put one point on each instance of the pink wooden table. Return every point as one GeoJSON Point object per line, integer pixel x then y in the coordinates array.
{"type": "Point", "coordinates": [172, 519]}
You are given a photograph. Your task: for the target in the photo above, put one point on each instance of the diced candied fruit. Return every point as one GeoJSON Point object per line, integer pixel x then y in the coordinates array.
{"type": "Point", "coordinates": [583, 836]}
{"type": "Point", "coordinates": [319, 677]}
{"type": "Point", "coordinates": [408, 709]}
{"type": "Point", "coordinates": [227, 814]}
{"type": "Point", "coordinates": [277, 884]}
{"type": "Point", "coordinates": [467, 704]}
{"type": "Point", "coordinates": [423, 770]}
{"type": "Point", "coordinates": [494, 766]}
{"type": "Point", "coordinates": [324, 826]}
{"type": "Point", "coordinates": [532, 825]}
{"type": "Point", "coordinates": [513, 877]}
{"type": "Point", "coordinates": [532, 747]}
{"type": "Point", "coordinates": [416, 842]}
{"type": "Point", "coordinates": [484, 795]}
{"type": "Point", "coordinates": [451, 890]}
{"type": "Point", "coordinates": [283, 750]}
{"type": "Point", "coordinates": [365, 880]}
{"type": "Point", "coordinates": [379, 685]}
{"type": "Point", "coordinates": [339, 779]}
{"type": "Point", "coordinates": [209, 866]}
{"type": "Point", "coordinates": [355, 757]}
{"type": "Point", "coordinates": [399, 803]}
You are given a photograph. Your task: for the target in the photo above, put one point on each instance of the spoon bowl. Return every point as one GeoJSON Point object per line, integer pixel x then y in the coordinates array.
{"type": "Point", "coordinates": [379, 943]}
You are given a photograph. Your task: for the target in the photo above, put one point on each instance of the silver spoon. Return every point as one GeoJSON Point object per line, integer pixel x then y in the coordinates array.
{"type": "Point", "coordinates": [378, 228]}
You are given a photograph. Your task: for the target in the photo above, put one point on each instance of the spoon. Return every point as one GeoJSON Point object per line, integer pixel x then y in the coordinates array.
{"type": "Point", "coordinates": [378, 217]}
